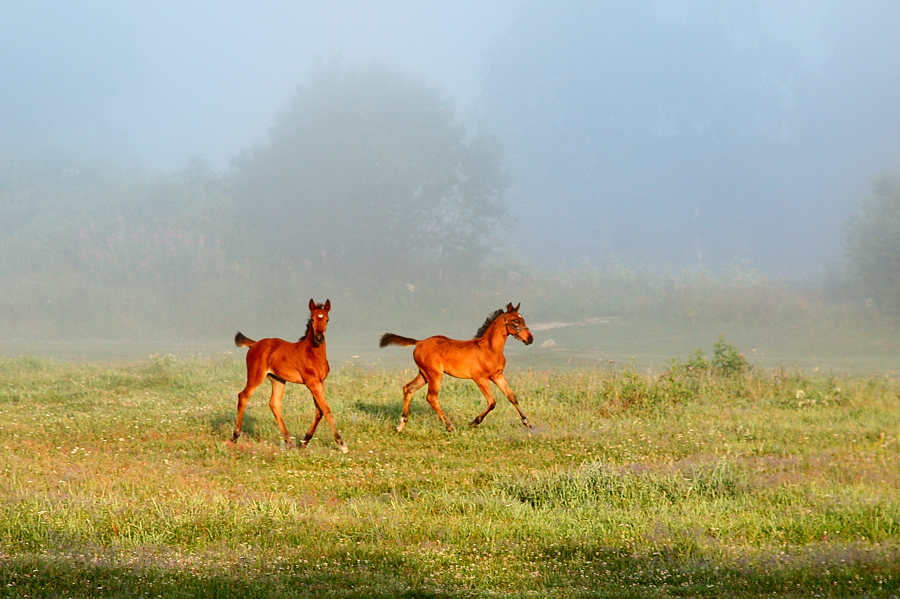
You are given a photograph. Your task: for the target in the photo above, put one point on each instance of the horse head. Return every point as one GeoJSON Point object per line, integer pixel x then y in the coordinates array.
{"type": "Point", "coordinates": [318, 320]}
{"type": "Point", "coordinates": [515, 325]}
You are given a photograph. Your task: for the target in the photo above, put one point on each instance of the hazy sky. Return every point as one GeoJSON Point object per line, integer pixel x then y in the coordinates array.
{"type": "Point", "coordinates": [719, 129]}
{"type": "Point", "coordinates": [173, 80]}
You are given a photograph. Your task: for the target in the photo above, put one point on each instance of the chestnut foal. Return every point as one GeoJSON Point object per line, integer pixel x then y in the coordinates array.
{"type": "Point", "coordinates": [480, 359]}
{"type": "Point", "coordinates": [282, 361]}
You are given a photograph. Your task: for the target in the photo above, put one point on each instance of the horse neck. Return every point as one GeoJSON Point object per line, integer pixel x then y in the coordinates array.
{"type": "Point", "coordinates": [496, 334]}
{"type": "Point", "coordinates": [307, 338]}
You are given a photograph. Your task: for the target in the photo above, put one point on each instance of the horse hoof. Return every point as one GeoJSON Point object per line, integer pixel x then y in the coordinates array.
{"type": "Point", "coordinates": [344, 449]}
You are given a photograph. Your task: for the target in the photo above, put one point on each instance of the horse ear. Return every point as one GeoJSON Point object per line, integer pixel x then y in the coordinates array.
{"type": "Point", "coordinates": [312, 305]}
{"type": "Point", "coordinates": [327, 305]}
{"type": "Point", "coordinates": [509, 307]}
{"type": "Point", "coordinates": [516, 309]}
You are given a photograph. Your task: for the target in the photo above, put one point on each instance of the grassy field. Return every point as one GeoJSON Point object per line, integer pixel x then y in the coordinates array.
{"type": "Point", "coordinates": [707, 477]}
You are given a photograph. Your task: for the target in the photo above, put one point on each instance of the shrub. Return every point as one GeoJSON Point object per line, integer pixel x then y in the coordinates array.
{"type": "Point", "coordinates": [727, 359]}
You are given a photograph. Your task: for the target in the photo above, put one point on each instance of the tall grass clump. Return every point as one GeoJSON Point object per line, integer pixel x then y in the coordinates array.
{"type": "Point", "coordinates": [595, 485]}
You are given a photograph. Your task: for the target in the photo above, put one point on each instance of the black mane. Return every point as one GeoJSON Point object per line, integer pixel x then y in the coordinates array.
{"type": "Point", "coordinates": [308, 329]}
{"type": "Point", "coordinates": [491, 318]}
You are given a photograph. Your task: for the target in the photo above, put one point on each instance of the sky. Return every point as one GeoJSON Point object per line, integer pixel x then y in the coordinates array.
{"type": "Point", "coordinates": [672, 131]}
{"type": "Point", "coordinates": [169, 81]}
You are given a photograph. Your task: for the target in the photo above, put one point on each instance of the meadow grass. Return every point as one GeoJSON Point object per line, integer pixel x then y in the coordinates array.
{"type": "Point", "coordinates": [712, 478]}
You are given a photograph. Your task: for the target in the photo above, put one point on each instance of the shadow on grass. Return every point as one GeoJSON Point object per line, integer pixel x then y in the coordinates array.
{"type": "Point", "coordinates": [222, 425]}
{"type": "Point", "coordinates": [39, 576]}
{"type": "Point", "coordinates": [567, 571]}
{"type": "Point", "coordinates": [392, 412]}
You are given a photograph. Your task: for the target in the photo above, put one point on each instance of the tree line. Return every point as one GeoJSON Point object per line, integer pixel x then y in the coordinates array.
{"type": "Point", "coordinates": [368, 180]}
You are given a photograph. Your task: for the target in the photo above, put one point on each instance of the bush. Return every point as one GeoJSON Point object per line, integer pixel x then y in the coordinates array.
{"type": "Point", "coordinates": [727, 360]}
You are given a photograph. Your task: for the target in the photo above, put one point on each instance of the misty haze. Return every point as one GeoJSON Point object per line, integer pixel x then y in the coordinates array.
{"type": "Point", "coordinates": [642, 176]}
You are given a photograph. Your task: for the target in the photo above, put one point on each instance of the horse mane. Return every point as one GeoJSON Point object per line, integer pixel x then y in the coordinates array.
{"type": "Point", "coordinates": [308, 329]}
{"type": "Point", "coordinates": [490, 319]}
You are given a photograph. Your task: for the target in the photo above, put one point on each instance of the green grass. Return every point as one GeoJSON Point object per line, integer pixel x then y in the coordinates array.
{"type": "Point", "coordinates": [118, 481]}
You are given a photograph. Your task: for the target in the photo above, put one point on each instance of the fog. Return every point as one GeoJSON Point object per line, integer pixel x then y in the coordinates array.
{"type": "Point", "coordinates": [667, 134]}
{"type": "Point", "coordinates": [162, 82]}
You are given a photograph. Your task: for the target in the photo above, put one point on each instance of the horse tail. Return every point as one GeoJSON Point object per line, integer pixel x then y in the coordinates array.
{"type": "Point", "coordinates": [392, 339]}
{"type": "Point", "coordinates": [241, 341]}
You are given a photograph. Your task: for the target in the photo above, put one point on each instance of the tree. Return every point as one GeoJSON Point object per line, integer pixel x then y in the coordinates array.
{"type": "Point", "coordinates": [367, 169]}
{"type": "Point", "coordinates": [873, 244]}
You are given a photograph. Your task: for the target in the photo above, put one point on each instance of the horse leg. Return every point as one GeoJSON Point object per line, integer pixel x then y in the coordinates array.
{"type": "Point", "coordinates": [318, 392]}
{"type": "Point", "coordinates": [275, 406]}
{"type": "Point", "coordinates": [434, 387]}
{"type": "Point", "coordinates": [408, 390]}
{"type": "Point", "coordinates": [501, 383]}
{"type": "Point", "coordinates": [485, 386]}
{"type": "Point", "coordinates": [254, 380]}
{"type": "Point", "coordinates": [315, 423]}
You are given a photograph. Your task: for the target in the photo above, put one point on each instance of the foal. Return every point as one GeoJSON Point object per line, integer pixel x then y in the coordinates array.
{"type": "Point", "coordinates": [281, 361]}
{"type": "Point", "coordinates": [480, 359]}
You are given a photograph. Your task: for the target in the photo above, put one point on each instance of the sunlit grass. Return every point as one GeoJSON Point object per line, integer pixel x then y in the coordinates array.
{"type": "Point", "coordinates": [118, 480]}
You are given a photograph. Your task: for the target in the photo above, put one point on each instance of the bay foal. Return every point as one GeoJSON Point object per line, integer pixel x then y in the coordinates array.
{"type": "Point", "coordinates": [480, 359]}
{"type": "Point", "coordinates": [284, 362]}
